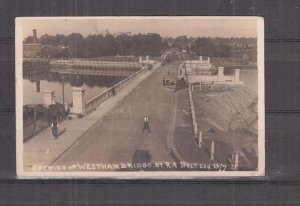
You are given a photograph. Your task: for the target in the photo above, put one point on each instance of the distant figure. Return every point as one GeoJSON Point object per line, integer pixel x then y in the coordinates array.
{"type": "Point", "coordinates": [146, 123]}
{"type": "Point", "coordinates": [67, 110]}
{"type": "Point", "coordinates": [113, 91]}
{"type": "Point", "coordinates": [164, 81]}
{"type": "Point", "coordinates": [54, 128]}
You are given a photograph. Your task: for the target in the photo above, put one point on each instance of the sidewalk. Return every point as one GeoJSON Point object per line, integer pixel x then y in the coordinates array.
{"type": "Point", "coordinates": [43, 149]}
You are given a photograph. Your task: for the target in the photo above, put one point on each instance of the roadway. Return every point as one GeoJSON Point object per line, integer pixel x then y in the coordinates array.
{"type": "Point", "coordinates": [118, 136]}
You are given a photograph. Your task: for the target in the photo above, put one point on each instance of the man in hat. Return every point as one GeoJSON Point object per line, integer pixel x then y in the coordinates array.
{"type": "Point", "coordinates": [146, 123]}
{"type": "Point", "coordinates": [54, 128]}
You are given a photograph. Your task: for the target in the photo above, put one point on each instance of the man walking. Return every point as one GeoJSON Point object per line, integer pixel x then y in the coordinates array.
{"type": "Point", "coordinates": [54, 128]}
{"type": "Point", "coordinates": [146, 123]}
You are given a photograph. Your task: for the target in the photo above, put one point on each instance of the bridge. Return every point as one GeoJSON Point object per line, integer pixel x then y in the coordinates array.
{"type": "Point", "coordinates": [39, 66]}
{"type": "Point", "coordinates": [113, 132]}
{"type": "Point", "coordinates": [111, 129]}
{"type": "Point", "coordinates": [93, 72]}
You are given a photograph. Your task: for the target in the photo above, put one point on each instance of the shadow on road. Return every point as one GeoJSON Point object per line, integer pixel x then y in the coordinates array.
{"type": "Point", "coordinates": [61, 132]}
{"type": "Point", "coordinates": [141, 156]}
{"type": "Point", "coordinates": [180, 84]}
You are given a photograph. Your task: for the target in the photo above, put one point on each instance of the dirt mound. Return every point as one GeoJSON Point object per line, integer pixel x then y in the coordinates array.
{"type": "Point", "coordinates": [231, 108]}
{"type": "Point", "coordinates": [228, 116]}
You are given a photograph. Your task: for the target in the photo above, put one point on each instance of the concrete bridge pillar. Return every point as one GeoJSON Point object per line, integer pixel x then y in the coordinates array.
{"type": "Point", "coordinates": [78, 100]}
{"type": "Point", "coordinates": [220, 73]}
{"type": "Point", "coordinates": [237, 75]}
{"type": "Point", "coordinates": [48, 97]}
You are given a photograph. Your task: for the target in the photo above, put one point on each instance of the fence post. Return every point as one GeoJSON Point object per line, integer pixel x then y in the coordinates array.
{"type": "Point", "coordinates": [236, 161]}
{"type": "Point", "coordinates": [237, 75]}
{"type": "Point", "coordinates": [200, 139]}
{"type": "Point", "coordinates": [212, 151]}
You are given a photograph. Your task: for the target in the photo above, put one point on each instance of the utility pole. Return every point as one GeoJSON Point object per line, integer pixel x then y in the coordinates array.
{"type": "Point", "coordinates": [63, 92]}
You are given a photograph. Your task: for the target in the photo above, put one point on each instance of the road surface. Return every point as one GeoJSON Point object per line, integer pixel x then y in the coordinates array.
{"type": "Point", "coordinates": [118, 136]}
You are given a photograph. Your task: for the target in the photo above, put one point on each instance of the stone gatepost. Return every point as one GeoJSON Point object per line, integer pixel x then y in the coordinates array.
{"type": "Point", "coordinates": [48, 97]}
{"type": "Point", "coordinates": [78, 100]}
{"type": "Point", "coordinates": [200, 59]}
{"type": "Point", "coordinates": [220, 73]}
{"type": "Point", "coordinates": [237, 75]}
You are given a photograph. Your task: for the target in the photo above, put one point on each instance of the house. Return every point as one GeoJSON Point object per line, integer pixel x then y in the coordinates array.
{"type": "Point", "coordinates": [33, 49]}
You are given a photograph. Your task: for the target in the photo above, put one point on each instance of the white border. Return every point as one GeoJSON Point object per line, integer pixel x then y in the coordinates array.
{"type": "Point", "coordinates": [139, 175]}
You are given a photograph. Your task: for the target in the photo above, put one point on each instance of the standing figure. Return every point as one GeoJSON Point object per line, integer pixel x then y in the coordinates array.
{"type": "Point", "coordinates": [54, 128]}
{"type": "Point", "coordinates": [164, 81]}
{"type": "Point", "coordinates": [146, 123]}
{"type": "Point", "coordinates": [113, 91]}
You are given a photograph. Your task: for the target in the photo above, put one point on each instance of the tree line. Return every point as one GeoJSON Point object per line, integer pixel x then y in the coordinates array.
{"type": "Point", "coordinates": [94, 45]}
{"type": "Point", "coordinates": [214, 46]}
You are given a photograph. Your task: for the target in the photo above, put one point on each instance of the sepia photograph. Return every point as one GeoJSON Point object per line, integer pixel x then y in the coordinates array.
{"type": "Point", "coordinates": [140, 97]}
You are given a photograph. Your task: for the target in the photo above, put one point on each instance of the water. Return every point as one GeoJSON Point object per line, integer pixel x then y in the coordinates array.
{"type": "Point", "coordinates": [250, 78]}
{"type": "Point", "coordinates": [94, 85]}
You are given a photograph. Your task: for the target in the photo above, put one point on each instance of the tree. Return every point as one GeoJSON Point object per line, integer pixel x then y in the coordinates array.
{"type": "Point", "coordinates": [28, 40]}
{"type": "Point", "coordinates": [76, 45]}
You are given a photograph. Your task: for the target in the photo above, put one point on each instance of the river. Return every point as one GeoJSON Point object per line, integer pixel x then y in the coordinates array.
{"type": "Point", "coordinates": [94, 85]}
{"type": "Point", "coordinates": [250, 78]}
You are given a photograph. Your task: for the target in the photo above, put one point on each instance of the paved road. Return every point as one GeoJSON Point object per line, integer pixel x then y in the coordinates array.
{"type": "Point", "coordinates": [118, 136]}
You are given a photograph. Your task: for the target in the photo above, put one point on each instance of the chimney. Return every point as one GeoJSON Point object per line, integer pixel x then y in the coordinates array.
{"type": "Point", "coordinates": [34, 36]}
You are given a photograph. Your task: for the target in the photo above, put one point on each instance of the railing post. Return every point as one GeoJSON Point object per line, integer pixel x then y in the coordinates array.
{"type": "Point", "coordinates": [200, 139]}
{"type": "Point", "coordinates": [236, 161]}
{"type": "Point", "coordinates": [237, 75]}
{"type": "Point", "coordinates": [212, 151]}
{"type": "Point", "coordinates": [196, 128]}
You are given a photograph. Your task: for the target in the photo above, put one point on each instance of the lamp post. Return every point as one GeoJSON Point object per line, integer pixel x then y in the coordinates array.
{"type": "Point", "coordinates": [63, 92]}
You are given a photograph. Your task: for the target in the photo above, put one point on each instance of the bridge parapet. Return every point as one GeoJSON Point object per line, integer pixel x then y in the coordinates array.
{"type": "Point", "coordinates": [113, 90]}
{"type": "Point", "coordinates": [94, 102]}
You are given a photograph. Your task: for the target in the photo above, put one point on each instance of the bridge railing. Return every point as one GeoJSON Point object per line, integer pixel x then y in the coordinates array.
{"type": "Point", "coordinates": [193, 113]}
{"type": "Point", "coordinates": [113, 90]}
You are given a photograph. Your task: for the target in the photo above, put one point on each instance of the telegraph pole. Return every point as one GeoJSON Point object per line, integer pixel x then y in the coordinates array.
{"type": "Point", "coordinates": [63, 92]}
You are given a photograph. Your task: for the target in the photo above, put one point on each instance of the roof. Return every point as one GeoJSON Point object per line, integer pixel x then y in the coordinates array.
{"type": "Point", "coordinates": [31, 50]}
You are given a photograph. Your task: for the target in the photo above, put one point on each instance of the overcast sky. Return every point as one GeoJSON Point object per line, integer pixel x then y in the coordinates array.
{"type": "Point", "coordinates": [218, 27]}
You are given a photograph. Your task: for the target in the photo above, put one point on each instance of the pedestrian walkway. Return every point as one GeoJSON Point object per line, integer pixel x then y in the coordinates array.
{"type": "Point", "coordinates": [44, 149]}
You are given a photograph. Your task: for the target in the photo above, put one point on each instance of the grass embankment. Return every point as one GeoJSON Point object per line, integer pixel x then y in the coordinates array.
{"type": "Point", "coordinates": [228, 116]}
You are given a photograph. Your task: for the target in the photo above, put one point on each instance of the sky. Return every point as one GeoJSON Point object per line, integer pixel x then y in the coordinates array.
{"type": "Point", "coordinates": [165, 26]}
